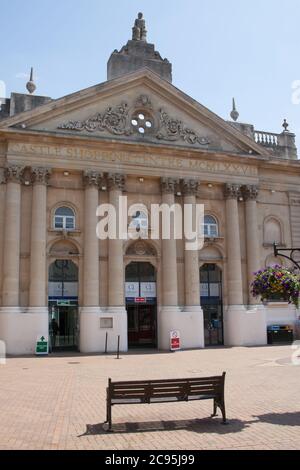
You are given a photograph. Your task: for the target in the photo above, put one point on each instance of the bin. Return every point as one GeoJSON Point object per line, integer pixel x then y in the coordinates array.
{"type": "Point", "coordinates": [280, 334]}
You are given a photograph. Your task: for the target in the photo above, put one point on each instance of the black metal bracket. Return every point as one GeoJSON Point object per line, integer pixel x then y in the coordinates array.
{"type": "Point", "coordinates": [291, 251]}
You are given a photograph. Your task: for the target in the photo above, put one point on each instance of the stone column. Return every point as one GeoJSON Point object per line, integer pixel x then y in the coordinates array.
{"type": "Point", "coordinates": [253, 248]}
{"type": "Point", "coordinates": [234, 266]}
{"type": "Point", "coordinates": [169, 252]}
{"type": "Point", "coordinates": [2, 223]}
{"type": "Point", "coordinates": [11, 255]}
{"type": "Point", "coordinates": [91, 243]}
{"type": "Point", "coordinates": [116, 295]}
{"type": "Point", "coordinates": [191, 258]}
{"type": "Point", "coordinates": [188, 320]}
{"type": "Point", "coordinates": [239, 327]}
{"type": "Point", "coordinates": [38, 270]}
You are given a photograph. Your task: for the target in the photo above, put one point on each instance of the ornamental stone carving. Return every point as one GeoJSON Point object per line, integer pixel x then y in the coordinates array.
{"type": "Point", "coordinates": [143, 101]}
{"type": "Point", "coordinates": [250, 192]}
{"type": "Point", "coordinates": [14, 174]}
{"type": "Point", "coordinates": [172, 130]}
{"type": "Point", "coordinates": [40, 175]}
{"type": "Point", "coordinates": [140, 248]}
{"type": "Point", "coordinates": [168, 185]}
{"type": "Point", "coordinates": [232, 191]}
{"type": "Point", "coordinates": [116, 181]}
{"type": "Point", "coordinates": [92, 178]}
{"type": "Point", "coordinates": [190, 187]}
{"type": "Point", "coordinates": [113, 120]}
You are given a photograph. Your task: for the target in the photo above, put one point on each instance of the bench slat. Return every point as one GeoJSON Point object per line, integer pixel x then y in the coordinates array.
{"type": "Point", "coordinates": [163, 381]}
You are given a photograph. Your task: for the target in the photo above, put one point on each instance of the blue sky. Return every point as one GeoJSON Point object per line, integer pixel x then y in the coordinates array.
{"type": "Point", "coordinates": [219, 49]}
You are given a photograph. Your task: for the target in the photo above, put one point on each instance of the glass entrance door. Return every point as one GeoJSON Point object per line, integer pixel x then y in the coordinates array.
{"type": "Point", "coordinates": [63, 327]}
{"type": "Point", "coordinates": [212, 304]}
{"type": "Point", "coordinates": [141, 304]}
{"type": "Point", "coordinates": [141, 325]}
{"type": "Point", "coordinates": [63, 305]}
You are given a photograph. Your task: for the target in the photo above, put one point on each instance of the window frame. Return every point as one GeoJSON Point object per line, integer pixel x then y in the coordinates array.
{"type": "Point", "coordinates": [211, 230]}
{"type": "Point", "coordinates": [64, 220]}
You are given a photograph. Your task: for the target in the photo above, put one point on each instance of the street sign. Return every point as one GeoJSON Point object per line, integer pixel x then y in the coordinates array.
{"type": "Point", "coordinates": [42, 346]}
{"type": "Point", "coordinates": [175, 340]}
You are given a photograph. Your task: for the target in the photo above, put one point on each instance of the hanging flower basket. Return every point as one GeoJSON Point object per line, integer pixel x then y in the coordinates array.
{"type": "Point", "coordinates": [276, 283]}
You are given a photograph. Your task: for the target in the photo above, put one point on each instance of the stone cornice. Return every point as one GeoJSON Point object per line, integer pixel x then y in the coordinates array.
{"type": "Point", "coordinates": [232, 191]}
{"type": "Point", "coordinates": [14, 174]}
{"type": "Point", "coordinates": [116, 181]}
{"type": "Point", "coordinates": [142, 77]}
{"type": "Point", "coordinates": [40, 175]}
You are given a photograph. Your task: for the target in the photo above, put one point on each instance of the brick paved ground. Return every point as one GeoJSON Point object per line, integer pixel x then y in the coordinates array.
{"type": "Point", "coordinates": [59, 402]}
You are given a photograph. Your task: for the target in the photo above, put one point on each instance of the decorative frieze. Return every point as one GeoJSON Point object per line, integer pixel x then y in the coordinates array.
{"type": "Point", "coordinates": [83, 156]}
{"type": "Point", "coordinates": [92, 178]}
{"type": "Point", "coordinates": [40, 175]}
{"type": "Point", "coordinates": [190, 187]}
{"type": "Point", "coordinates": [250, 192]}
{"type": "Point", "coordinates": [168, 185]}
{"type": "Point", "coordinates": [116, 181]}
{"type": "Point", "coordinates": [117, 121]}
{"type": "Point", "coordinates": [143, 101]}
{"type": "Point", "coordinates": [113, 120]}
{"type": "Point", "coordinates": [14, 174]}
{"type": "Point", "coordinates": [172, 129]}
{"type": "Point", "coordinates": [232, 191]}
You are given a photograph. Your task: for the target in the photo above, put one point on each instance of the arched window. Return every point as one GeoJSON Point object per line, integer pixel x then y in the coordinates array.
{"type": "Point", "coordinates": [210, 227]}
{"type": "Point", "coordinates": [64, 219]}
{"type": "Point", "coordinates": [140, 220]}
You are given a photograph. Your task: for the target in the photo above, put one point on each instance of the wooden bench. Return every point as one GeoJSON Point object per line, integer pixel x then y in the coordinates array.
{"type": "Point", "coordinates": [166, 391]}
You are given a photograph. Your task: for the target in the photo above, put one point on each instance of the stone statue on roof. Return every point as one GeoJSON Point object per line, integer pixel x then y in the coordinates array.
{"type": "Point", "coordinates": [139, 32]}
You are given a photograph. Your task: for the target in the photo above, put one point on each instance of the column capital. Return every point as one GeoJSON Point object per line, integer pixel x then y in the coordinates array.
{"type": "Point", "coordinates": [168, 185]}
{"type": "Point", "coordinates": [190, 187]}
{"type": "Point", "coordinates": [250, 192]}
{"type": "Point", "coordinates": [116, 181]}
{"type": "Point", "coordinates": [232, 191]}
{"type": "Point", "coordinates": [40, 175]}
{"type": "Point", "coordinates": [14, 174]}
{"type": "Point", "coordinates": [92, 178]}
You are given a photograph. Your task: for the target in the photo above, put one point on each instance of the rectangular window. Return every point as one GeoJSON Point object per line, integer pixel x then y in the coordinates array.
{"type": "Point", "coordinates": [69, 223]}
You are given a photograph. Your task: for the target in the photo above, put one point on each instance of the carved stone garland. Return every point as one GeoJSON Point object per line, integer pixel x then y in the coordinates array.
{"type": "Point", "coordinates": [172, 129]}
{"type": "Point", "coordinates": [114, 120]}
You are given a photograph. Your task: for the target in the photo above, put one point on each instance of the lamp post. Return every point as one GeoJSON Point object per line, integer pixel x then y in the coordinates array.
{"type": "Point", "coordinates": [291, 251]}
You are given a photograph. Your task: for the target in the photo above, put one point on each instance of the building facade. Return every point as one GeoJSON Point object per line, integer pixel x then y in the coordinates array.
{"type": "Point", "coordinates": [138, 135]}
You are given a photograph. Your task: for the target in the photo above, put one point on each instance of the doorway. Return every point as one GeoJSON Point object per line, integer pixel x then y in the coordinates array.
{"type": "Point", "coordinates": [63, 306]}
{"type": "Point", "coordinates": [141, 305]}
{"type": "Point", "coordinates": [212, 304]}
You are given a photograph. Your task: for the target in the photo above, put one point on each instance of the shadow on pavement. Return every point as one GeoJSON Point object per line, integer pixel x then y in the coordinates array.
{"type": "Point", "coordinates": [198, 426]}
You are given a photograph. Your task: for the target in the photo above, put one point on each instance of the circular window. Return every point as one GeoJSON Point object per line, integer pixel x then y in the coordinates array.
{"type": "Point", "coordinates": [142, 122]}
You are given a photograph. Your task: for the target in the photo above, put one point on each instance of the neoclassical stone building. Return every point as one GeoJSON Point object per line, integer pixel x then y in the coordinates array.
{"type": "Point", "coordinates": [137, 135]}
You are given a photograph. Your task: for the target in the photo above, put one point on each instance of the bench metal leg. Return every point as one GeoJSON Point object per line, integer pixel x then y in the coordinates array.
{"type": "Point", "coordinates": [108, 416]}
{"type": "Point", "coordinates": [222, 408]}
{"type": "Point", "coordinates": [215, 410]}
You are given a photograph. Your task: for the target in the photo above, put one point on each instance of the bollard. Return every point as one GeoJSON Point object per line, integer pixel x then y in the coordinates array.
{"type": "Point", "coordinates": [118, 354]}
{"type": "Point", "coordinates": [106, 341]}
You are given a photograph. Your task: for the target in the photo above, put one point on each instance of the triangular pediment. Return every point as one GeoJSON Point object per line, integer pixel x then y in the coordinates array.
{"type": "Point", "coordinates": [139, 108]}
